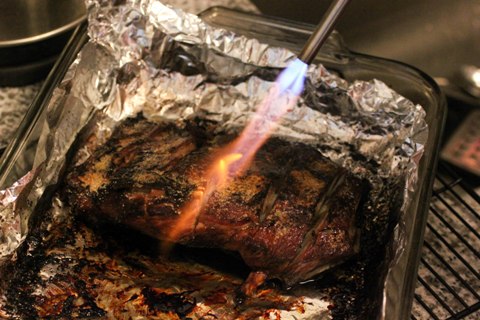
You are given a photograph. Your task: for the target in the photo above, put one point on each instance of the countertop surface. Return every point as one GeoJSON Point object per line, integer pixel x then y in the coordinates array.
{"type": "Point", "coordinates": [449, 279]}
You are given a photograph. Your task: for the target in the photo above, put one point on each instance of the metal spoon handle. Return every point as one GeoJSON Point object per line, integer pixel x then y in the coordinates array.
{"type": "Point", "coordinates": [322, 31]}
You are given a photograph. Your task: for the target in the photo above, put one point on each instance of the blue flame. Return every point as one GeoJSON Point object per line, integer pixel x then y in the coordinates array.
{"type": "Point", "coordinates": [292, 79]}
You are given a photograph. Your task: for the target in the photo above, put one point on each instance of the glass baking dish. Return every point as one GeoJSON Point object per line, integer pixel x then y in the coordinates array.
{"type": "Point", "coordinates": [399, 283]}
{"type": "Point", "coordinates": [408, 81]}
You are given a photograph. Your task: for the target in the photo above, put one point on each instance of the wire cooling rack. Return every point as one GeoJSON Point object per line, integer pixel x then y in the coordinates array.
{"type": "Point", "coordinates": [448, 284]}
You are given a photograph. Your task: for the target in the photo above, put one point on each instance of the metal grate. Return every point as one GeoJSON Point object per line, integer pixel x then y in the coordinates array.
{"type": "Point", "coordinates": [448, 284]}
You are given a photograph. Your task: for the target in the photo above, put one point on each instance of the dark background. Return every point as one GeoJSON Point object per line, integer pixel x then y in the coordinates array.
{"type": "Point", "coordinates": [435, 35]}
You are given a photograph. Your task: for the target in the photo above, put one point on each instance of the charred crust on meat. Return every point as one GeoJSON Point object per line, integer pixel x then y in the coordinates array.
{"type": "Point", "coordinates": [292, 215]}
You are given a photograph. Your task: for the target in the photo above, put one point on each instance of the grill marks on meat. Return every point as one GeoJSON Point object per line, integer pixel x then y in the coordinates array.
{"type": "Point", "coordinates": [291, 215]}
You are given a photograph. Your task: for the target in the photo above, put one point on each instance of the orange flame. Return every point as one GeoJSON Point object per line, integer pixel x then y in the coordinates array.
{"type": "Point", "coordinates": [236, 157]}
{"type": "Point", "coordinates": [217, 177]}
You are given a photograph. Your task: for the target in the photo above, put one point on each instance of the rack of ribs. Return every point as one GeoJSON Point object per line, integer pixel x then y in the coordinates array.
{"type": "Point", "coordinates": [290, 216]}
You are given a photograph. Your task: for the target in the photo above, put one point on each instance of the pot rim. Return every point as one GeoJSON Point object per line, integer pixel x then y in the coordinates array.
{"type": "Point", "coordinates": [42, 36]}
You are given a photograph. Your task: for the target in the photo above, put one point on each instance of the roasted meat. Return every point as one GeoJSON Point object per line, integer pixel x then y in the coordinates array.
{"type": "Point", "coordinates": [291, 215]}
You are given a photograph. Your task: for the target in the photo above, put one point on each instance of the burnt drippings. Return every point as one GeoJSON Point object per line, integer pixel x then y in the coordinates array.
{"type": "Point", "coordinates": [43, 282]}
{"type": "Point", "coordinates": [67, 270]}
{"type": "Point", "coordinates": [164, 302]}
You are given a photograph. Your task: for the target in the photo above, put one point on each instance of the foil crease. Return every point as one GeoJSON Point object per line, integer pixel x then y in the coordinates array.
{"type": "Point", "coordinates": [11, 231]}
{"type": "Point", "coordinates": [137, 25]}
{"type": "Point", "coordinates": [148, 57]}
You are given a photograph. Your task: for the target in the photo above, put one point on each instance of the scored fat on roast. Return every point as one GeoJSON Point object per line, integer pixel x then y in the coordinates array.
{"type": "Point", "coordinates": [291, 215]}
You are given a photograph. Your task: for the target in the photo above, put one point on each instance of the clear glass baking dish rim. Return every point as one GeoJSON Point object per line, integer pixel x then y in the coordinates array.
{"type": "Point", "coordinates": [400, 283]}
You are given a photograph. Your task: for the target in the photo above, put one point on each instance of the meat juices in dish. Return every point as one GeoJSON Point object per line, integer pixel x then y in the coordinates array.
{"type": "Point", "coordinates": [290, 216]}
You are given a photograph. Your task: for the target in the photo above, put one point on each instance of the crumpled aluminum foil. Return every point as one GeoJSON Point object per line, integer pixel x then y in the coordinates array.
{"type": "Point", "coordinates": [146, 57]}
{"type": "Point", "coordinates": [12, 228]}
{"type": "Point", "coordinates": [377, 122]}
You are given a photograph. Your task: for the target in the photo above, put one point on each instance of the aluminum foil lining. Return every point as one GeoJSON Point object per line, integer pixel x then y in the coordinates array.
{"type": "Point", "coordinates": [147, 57]}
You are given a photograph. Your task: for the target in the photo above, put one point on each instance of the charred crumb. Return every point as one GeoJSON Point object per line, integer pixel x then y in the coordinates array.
{"type": "Point", "coordinates": [161, 301]}
{"type": "Point", "coordinates": [240, 297]}
{"type": "Point", "coordinates": [275, 284]}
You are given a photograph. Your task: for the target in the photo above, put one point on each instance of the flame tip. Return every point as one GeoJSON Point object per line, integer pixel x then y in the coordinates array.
{"type": "Point", "coordinates": [292, 78]}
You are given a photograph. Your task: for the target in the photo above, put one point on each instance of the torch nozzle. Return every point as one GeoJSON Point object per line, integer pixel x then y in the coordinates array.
{"type": "Point", "coordinates": [322, 31]}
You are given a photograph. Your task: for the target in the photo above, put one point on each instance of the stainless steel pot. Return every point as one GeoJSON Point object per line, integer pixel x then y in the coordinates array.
{"type": "Point", "coordinates": [32, 34]}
